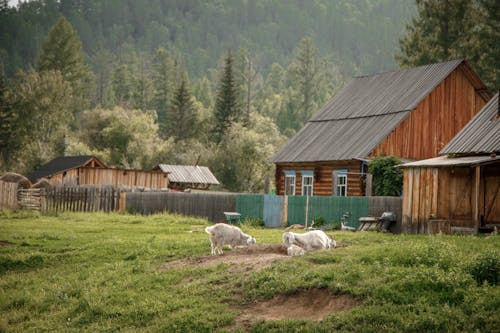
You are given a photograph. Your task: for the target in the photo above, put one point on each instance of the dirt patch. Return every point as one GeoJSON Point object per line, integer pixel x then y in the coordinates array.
{"type": "Point", "coordinates": [5, 243]}
{"type": "Point", "coordinates": [313, 304]}
{"type": "Point", "coordinates": [255, 256]}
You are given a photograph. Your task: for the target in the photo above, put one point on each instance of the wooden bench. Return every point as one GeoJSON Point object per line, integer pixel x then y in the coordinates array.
{"type": "Point", "coordinates": [232, 217]}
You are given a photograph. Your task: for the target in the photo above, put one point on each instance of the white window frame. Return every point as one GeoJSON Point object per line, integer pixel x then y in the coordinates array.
{"type": "Point", "coordinates": [290, 182]}
{"type": "Point", "coordinates": [340, 183]}
{"type": "Point", "coordinates": [307, 189]}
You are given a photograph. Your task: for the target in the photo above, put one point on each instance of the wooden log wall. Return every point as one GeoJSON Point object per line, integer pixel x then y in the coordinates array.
{"type": "Point", "coordinates": [435, 121]}
{"type": "Point", "coordinates": [8, 196]}
{"type": "Point", "coordinates": [323, 177]}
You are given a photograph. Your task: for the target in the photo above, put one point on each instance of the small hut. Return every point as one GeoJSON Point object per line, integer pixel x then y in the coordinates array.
{"type": "Point", "coordinates": [183, 177]}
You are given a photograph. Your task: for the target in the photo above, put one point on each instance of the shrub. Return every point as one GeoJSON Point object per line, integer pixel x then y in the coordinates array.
{"type": "Point", "coordinates": [486, 267]}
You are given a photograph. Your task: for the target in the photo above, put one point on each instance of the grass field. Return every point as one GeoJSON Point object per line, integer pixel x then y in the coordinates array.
{"type": "Point", "coordinates": [103, 273]}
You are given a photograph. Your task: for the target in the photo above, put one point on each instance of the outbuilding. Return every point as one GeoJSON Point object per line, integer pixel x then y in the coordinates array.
{"type": "Point", "coordinates": [457, 192]}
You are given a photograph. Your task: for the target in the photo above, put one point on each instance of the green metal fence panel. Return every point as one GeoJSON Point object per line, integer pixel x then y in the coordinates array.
{"type": "Point", "coordinates": [296, 210]}
{"type": "Point", "coordinates": [250, 206]}
{"type": "Point", "coordinates": [333, 209]}
{"type": "Point", "coordinates": [330, 209]}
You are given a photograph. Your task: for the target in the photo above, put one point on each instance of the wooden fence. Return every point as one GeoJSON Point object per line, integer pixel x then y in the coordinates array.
{"type": "Point", "coordinates": [205, 205]}
{"type": "Point", "coordinates": [8, 196]}
{"type": "Point", "coordinates": [80, 199]}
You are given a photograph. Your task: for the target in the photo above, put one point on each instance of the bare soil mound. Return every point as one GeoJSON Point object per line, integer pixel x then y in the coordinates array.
{"type": "Point", "coordinates": [313, 304]}
{"type": "Point", "coordinates": [255, 256]}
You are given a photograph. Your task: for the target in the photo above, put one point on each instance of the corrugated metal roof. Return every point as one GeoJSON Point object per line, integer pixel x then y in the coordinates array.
{"type": "Point", "coordinates": [481, 135]}
{"type": "Point", "coordinates": [363, 114]}
{"type": "Point", "coordinates": [61, 164]}
{"type": "Point", "coordinates": [444, 161]}
{"type": "Point", "coordinates": [192, 174]}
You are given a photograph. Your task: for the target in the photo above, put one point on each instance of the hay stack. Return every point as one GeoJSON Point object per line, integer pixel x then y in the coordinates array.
{"type": "Point", "coordinates": [12, 177]}
{"type": "Point", "coordinates": [42, 183]}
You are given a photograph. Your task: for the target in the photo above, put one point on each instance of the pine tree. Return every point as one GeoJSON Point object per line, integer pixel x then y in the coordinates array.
{"type": "Point", "coordinates": [451, 29]}
{"type": "Point", "coordinates": [162, 83]}
{"type": "Point", "coordinates": [306, 75]}
{"type": "Point", "coordinates": [11, 134]}
{"type": "Point", "coordinates": [182, 114]}
{"type": "Point", "coordinates": [436, 32]}
{"type": "Point", "coordinates": [226, 107]}
{"type": "Point", "coordinates": [62, 51]}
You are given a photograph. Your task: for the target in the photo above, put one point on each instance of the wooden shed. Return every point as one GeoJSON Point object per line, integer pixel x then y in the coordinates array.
{"type": "Point", "coordinates": [182, 177]}
{"type": "Point", "coordinates": [89, 170]}
{"type": "Point", "coordinates": [409, 113]}
{"type": "Point", "coordinates": [459, 191]}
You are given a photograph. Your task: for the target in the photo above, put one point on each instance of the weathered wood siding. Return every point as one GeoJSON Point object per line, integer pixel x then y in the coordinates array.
{"type": "Point", "coordinates": [108, 176]}
{"type": "Point", "coordinates": [435, 121]}
{"type": "Point", "coordinates": [459, 198]}
{"type": "Point", "coordinates": [323, 176]}
{"type": "Point", "coordinates": [8, 195]}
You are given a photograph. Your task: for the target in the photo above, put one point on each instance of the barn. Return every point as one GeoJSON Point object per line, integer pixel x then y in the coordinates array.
{"type": "Point", "coordinates": [409, 113]}
{"type": "Point", "coordinates": [89, 170]}
{"type": "Point", "coordinates": [458, 191]}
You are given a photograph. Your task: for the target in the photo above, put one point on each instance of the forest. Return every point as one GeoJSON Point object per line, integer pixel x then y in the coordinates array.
{"type": "Point", "coordinates": [225, 82]}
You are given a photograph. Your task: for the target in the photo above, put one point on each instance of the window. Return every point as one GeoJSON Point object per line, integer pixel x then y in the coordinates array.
{"type": "Point", "coordinates": [307, 183]}
{"type": "Point", "coordinates": [340, 183]}
{"type": "Point", "coordinates": [289, 182]}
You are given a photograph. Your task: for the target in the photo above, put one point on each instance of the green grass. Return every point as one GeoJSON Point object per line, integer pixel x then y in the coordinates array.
{"type": "Point", "coordinates": [100, 273]}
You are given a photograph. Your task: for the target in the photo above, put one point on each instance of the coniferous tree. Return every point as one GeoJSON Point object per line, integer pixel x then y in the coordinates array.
{"type": "Point", "coordinates": [11, 134]}
{"type": "Point", "coordinates": [162, 83]}
{"type": "Point", "coordinates": [62, 51]}
{"type": "Point", "coordinates": [451, 29]}
{"type": "Point", "coordinates": [435, 33]}
{"type": "Point", "coordinates": [182, 114]}
{"type": "Point", "coordinates": [226, 107]}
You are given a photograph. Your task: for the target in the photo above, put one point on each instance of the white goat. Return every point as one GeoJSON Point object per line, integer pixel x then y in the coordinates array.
{"type": "Point", "coordinates": [223, 234]}
{"type": "Point", "coordinates": [309, 241]}
{"type": "Point", "coordinates": [294, 250]}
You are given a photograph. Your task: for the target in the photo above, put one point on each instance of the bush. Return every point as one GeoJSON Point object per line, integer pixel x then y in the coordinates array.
{"type": "Point", "coordinates": [486, 267]}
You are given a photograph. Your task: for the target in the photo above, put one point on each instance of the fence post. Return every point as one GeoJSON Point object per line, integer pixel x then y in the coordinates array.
{"type": "Point", "coordinates": [285, 210]}
{"type": "Point", "coordinates": [123, 201]}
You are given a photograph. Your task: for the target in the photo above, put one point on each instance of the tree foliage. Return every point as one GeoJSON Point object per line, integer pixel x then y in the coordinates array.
{"type": "Point", "coordinates": [40, 103]}
{"type": "Point", "coordinates": [226, 108]}
{"type": "Point", "coordinates": [62, 51]}
{"type": "Point", "coordinates": [387, 178]}
{"type": "Point", "coordinates": [451, 29]}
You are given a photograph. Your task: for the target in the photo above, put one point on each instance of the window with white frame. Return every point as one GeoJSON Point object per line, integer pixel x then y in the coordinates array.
{"type": "Point", "coordinates": [340, 182]}
{"type": "Point", "coordinates": [289, 182]}
{"type": "Point", "coordinates": [307, 183]}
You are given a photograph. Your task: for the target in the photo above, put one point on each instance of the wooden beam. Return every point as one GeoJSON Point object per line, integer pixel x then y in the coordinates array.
{"type": "Point", "coordinates": [475, 197]}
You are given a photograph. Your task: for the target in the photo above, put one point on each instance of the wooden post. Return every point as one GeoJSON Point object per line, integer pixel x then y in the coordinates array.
{"type": "Point", "coordinates": [307, 210]}
{"type": "Point", "coordinates": [475, 198]}
{"type": "Point", "coordinates": [123, 201]}
{"type": "Point", "coordinates": [285, 210]}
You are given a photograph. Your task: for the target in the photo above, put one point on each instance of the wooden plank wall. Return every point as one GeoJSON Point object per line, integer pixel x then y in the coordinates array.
{"type": "Point", "coordinates": [435, 121]}
{"type": "Point", "coordinates": [323, 183]}
{"type": "Point", "coordinates": [444, 196]}
{"type": "Point", "coordinates": [378, 205]}
{"type": "Point", "coordinates": [113, 177]}
{"type": "Point", "coordinates": [491, 207]}
{"type": "Point", "coordinates": [8, 196]}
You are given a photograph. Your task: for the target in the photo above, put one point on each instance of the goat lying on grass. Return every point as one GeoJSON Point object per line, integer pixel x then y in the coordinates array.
{"type": "Point", "coordinates": [309, 241]}
{"type": "Point", "coordinates": [223, 234]}
{"type": "Point", "coordinates": [294, 250]}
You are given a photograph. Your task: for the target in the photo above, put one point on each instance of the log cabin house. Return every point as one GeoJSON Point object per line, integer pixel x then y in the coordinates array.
{"type": "Point", "coordinates": [409, 113]}
{"type": "Point", "coordinates": [89, 170]}
{"type": "Point", "coordinates": [457, 192]}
